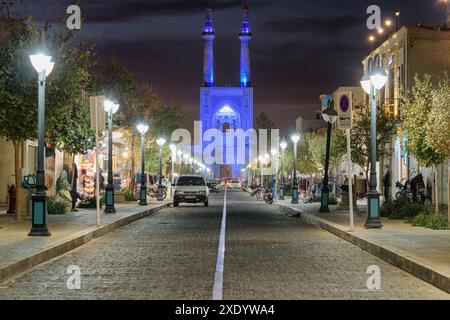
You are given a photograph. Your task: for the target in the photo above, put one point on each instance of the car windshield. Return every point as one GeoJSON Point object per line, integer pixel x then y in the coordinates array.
{"type": "Point", "coordinates": [191, 181]}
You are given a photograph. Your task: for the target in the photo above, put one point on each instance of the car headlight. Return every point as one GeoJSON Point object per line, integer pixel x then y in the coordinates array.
{"type": "Point", "coordinates": [202, 192]}
{"type": "Point", "coordinates": [178, 192]}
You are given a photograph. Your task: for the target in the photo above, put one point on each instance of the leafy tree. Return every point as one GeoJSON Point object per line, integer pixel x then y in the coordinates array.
{"type": "Point", "coordinates": [317, 143]}
{"type": "Point", "coordinates": [438, 123]}
{"type": "Point", "coordinates": [361, 137]}
{"type": "Point", "coordinates": [18, 88]}
{"type": "Point", "coordinates": [263, 121]}
{"type": "Point", "coordinates": [416, 111]}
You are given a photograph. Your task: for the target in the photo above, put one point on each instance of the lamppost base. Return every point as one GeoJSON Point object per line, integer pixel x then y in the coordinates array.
{"type": "Point", "coordinates": [39, 231]}
{"type": "Point", "coordinates": [143, 197]}
{"type": "Point", "coordinates": [110, 209]}
{"type": "Point", "coordinates": [39, 215]}
{"type": "Point", "coordinates": [281, 195]}
{"type": "Point", "coordinates": [373, 214]}
{"type": "Point", "coordinates": [373, 223]}
{"type": "Point", "coordinates": [294, 195]}
{"type": "Point", "coordinates": [324, 203]}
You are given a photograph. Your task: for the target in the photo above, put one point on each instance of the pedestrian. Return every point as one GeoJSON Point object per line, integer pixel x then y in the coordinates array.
{"type": "Point", "coordinates": [387, 185]}
{"type": "Point", "coordinates": [74, 191]}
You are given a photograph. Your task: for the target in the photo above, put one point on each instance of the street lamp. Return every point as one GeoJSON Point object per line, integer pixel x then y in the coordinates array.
{"type": "Point", "coordinates": [283, 146]}
{"type": "Point", "coordinates": [397, 14]}
{"type": "Point", "coordinates": [330, 116]}
{"type": "Point", "coordinates": [110, 108]}
{"type": "Point", "coordinates": [373, 80]}
{"type": "Point", "coordinates": [43, 65]}
{"type": "Point", "coordinates": [143, 128]}
{"type": "Point", "coordinates": [160, 142]}
{"type": "Point", "coordinates": [275, 159]}
{"type": "Point", "coordinates": [186, 158]}
{"type": "Point", "coordinates": [261, 162]}
{"type": "Point", "coordinates": [180, 160]}
{"type": "Point", "coordinates": [173, 149]}
{"type": "Point", "coordinates": [295, 139]}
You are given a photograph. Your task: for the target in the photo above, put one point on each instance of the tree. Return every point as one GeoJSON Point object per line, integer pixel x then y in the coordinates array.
{"type": "Point", "coordinates": [417, 123]}
{"type": "Point", "coordinates": [68, 105]}
{"type": "Point", "coordinates": [438, 122]}
{"type": "Point", "coordinates": [263, 121]}
{"type": "Point", "coordinates": [317, 144]}
{"type": "Point", "coordinates": [361, 137]}
{"type": "Point", "coordinates": [18, 89]}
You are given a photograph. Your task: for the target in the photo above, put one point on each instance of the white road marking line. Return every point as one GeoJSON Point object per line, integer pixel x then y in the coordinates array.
{"type": "Point", "coordinates": [218, 279]}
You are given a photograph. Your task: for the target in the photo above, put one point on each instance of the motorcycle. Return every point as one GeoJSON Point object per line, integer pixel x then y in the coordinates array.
{"type": "Point", "coordinates": [404, 191]}
{"type": "Point", "coordinates": [268, 196]}
{"type": "Point", "coordinates": [309, 195]}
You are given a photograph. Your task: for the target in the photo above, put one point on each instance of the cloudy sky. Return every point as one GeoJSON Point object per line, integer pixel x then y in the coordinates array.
{"type": "Point", "coordinates": [300, 48]}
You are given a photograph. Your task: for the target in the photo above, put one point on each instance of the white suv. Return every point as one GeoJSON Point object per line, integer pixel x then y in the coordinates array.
{"type": "Point", "coordinates": [190, 189]}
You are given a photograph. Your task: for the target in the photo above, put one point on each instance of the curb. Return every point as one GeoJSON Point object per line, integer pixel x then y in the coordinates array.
{"type": "Point", "coordinates": [391, 255]}
{"type": "Point", "coordinates": [74, 242]}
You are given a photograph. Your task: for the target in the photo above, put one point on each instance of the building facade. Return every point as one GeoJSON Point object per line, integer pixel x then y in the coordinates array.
{"type": "Point", "coordinates": [227, 108]}
{"type": "Point", "coordinates": [413, 50]}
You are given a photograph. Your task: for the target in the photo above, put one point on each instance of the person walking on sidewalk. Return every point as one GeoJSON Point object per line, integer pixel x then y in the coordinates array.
{"type": "Point", "coordinates": [387, 185]}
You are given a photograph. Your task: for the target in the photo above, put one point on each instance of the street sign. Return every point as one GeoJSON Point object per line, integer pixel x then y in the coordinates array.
{"type": "Point", "coordinates": [345, 111]}
{"type": "Point", "coordinates": [97, 116]}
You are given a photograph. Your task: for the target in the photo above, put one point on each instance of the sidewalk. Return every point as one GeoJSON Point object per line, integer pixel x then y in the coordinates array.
{"type": "Point", "coordinates": [424, 253]}
{"type": "Point", "coordinates": [19, 252]}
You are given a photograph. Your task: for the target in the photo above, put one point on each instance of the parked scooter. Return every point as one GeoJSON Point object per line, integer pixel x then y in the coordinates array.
{"type": "Point", "coordinates": [309, 196]}
{"type": "Point", "coordinates": [268, 196]}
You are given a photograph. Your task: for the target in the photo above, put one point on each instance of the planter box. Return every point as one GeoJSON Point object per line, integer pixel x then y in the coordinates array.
{"type": "Point", "coordinates": [118, 197]}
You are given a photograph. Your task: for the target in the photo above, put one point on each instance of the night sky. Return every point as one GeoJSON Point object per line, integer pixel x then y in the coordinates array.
{"type": "Point", "coordinates": [300, 49]}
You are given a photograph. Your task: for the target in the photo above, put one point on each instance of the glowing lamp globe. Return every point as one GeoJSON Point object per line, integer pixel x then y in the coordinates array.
{"type": "Point", "coordinates": [42, 62]}
{"type": "Point", "coordinates": [295, 138]}
{"type": "Point", "coordinates": [283, 145]}
{"type": "Point", "coordinates": [365, 83]}
{"type": "Point", "coordinates": [142, 128]}
{"type": "Point", "coordinates": [160, 141]}
{"type": "Point", "coordinates": [379, 78]}
{"type": "Point", "coordinates": [111, 106]}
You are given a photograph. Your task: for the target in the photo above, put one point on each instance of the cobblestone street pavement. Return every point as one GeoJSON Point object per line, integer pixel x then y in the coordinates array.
{"type": "Point", "coordinates": [173, 254]}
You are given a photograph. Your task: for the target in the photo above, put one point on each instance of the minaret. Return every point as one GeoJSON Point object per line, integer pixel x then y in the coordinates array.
{"type": "Point", "coordinates": [245, 36]}
{"type": "Point", "coordinates": [208, 53]}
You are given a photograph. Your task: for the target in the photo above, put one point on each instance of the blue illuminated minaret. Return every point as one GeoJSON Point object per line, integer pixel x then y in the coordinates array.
{"type": "Point", "coordinates": [208, 53]}
{"type": "Point", "coordinates": [245, 36]}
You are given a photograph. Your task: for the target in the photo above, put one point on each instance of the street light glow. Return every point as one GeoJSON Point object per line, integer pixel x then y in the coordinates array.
{"type": "Point", "coordinates": [42, 62]}
{"type": "Point", "coordinates": [295, 138]}
{"type": "Point", "coordinates": [379, 78]}
{"type": "Point", "coordinates": [160, 141]}
{"type": "Point", "coordinates": [365, 83]}
{"type": "Point", "coordinates": [283, 145]}
{"type": "Point", "coordinates": [142, 128]}
{"type": "Point", "coordinates": [111, 106]}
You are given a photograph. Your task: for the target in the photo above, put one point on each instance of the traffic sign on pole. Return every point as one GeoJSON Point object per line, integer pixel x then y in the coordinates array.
{"type": "Point", "coordinates": [345, 109]}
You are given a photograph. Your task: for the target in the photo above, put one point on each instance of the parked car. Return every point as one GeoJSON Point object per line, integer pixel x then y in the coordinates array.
{"type": "Point", "coordinates": [235, 185]}
{"type": "Point", "coordinates": [191, 189]}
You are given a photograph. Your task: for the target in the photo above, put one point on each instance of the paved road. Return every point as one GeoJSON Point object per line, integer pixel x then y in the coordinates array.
{"type": "Point", "coordinates": [173, 255]}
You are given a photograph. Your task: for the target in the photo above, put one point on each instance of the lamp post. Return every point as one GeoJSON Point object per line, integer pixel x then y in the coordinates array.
{"type": "Point", "coordinates": [143, 128]}
{"type": "Point", "coordinates": [283, 146]}
{"type": "Point", "coordinates": [275, 159]}
{"type": "Point", "coordinates": [261, 161]}
{"type": "Point", "coordinates": [110, 108]}
{"type": "Point", "coordinates": [173, 155]}
{"type": "Point", "coordinates": [295, 139]}
{"type": "Point", "coordinates": [186, 158]}
{"type": "Point", "coordinates": [43, 66]}
{"type": "Point", "coordinates": [249, 172]}
{"type": "Point", "coordinates": [330, 116]}
{"type": "Point", "coordinates": [160, 142]}
{"type": "Point", "coordinates": [180, 160]}
{"type": "Point", "coordinates": [373, 80]}
{"type": "Point", "coordinates": [397, 14]}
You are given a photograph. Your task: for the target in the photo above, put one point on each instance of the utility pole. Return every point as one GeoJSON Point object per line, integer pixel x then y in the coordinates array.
{"type": "Point", "coordinates": [7, 5]}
